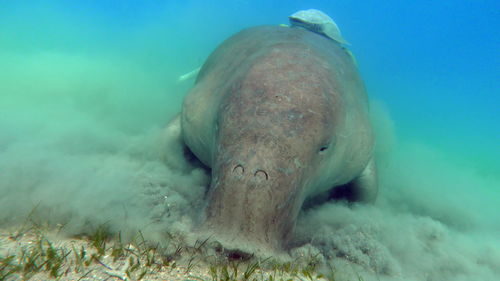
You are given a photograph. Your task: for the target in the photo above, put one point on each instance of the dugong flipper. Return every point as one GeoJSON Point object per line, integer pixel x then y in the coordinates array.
{"type": "Point", "coordinates": [279, 115]}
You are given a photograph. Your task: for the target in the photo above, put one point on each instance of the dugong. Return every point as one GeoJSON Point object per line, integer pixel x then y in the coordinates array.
{"type": "Point", "coordinates": [279, 115]}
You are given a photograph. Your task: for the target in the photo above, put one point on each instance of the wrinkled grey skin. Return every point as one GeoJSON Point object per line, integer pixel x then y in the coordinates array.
{"type": "Point", "coordinates": [279, 115]}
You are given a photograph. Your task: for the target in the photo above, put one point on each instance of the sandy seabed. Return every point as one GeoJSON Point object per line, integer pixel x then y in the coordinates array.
{"type": "Point", "coordinates": [45, 248]}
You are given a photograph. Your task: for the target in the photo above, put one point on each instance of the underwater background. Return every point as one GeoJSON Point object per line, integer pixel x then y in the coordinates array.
{"type": "Point", "coordinates": [87, 86]}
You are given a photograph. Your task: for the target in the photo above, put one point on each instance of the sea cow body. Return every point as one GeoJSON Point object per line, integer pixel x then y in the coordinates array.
{"type": "Point", "coordinates": [280, 115]}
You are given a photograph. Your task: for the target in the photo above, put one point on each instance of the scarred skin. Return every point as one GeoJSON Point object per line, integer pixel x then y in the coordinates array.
{"type": "Point", "coordinates": [279, 115]}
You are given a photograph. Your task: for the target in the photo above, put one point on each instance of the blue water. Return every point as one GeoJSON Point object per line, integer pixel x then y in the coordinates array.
{"type": "Point", "coordinates": [434, 63]}
{"type": "Point", "coordinates": [86, 78]}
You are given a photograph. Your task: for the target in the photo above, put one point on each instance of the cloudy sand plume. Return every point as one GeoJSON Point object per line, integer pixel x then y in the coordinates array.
{"type": "Point", "coordinates": [72, 155]}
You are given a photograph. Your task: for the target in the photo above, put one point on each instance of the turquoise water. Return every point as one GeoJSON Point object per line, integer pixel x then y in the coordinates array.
{"type": "Point", "coordinates": [87, 86]}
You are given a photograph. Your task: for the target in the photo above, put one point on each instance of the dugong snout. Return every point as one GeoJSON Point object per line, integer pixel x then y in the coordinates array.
{"type": "Point", "coordinates": [254, 199]}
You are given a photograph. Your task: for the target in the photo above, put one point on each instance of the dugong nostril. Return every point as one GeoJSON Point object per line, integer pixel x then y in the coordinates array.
{"type": "Point", "coordinates": [261, 174]}
{"type": "Point", "coordinates": [238, 169]}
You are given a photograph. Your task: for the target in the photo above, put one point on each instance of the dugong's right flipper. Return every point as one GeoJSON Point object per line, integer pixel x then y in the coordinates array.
{"type": "Point", "coordinates": [189, 75]}
{"type": "Point", "coordinates": [365, 187]}
{"type": "Point", "coordinates": [171, 139]}
{"type": "Point", "coordinates": [177, 155]}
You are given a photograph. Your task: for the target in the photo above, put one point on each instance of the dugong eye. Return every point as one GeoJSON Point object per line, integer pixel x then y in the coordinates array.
{"type": "Point", "coordinates": [324, 148]}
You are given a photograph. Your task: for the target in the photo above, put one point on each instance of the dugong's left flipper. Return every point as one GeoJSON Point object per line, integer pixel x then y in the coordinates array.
{"type": "Point", "coordinates": [365, 187]}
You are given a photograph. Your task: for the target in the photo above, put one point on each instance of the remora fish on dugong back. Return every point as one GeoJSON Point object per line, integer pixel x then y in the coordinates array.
{"type": "Point", "coordinates": [279, 115]}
